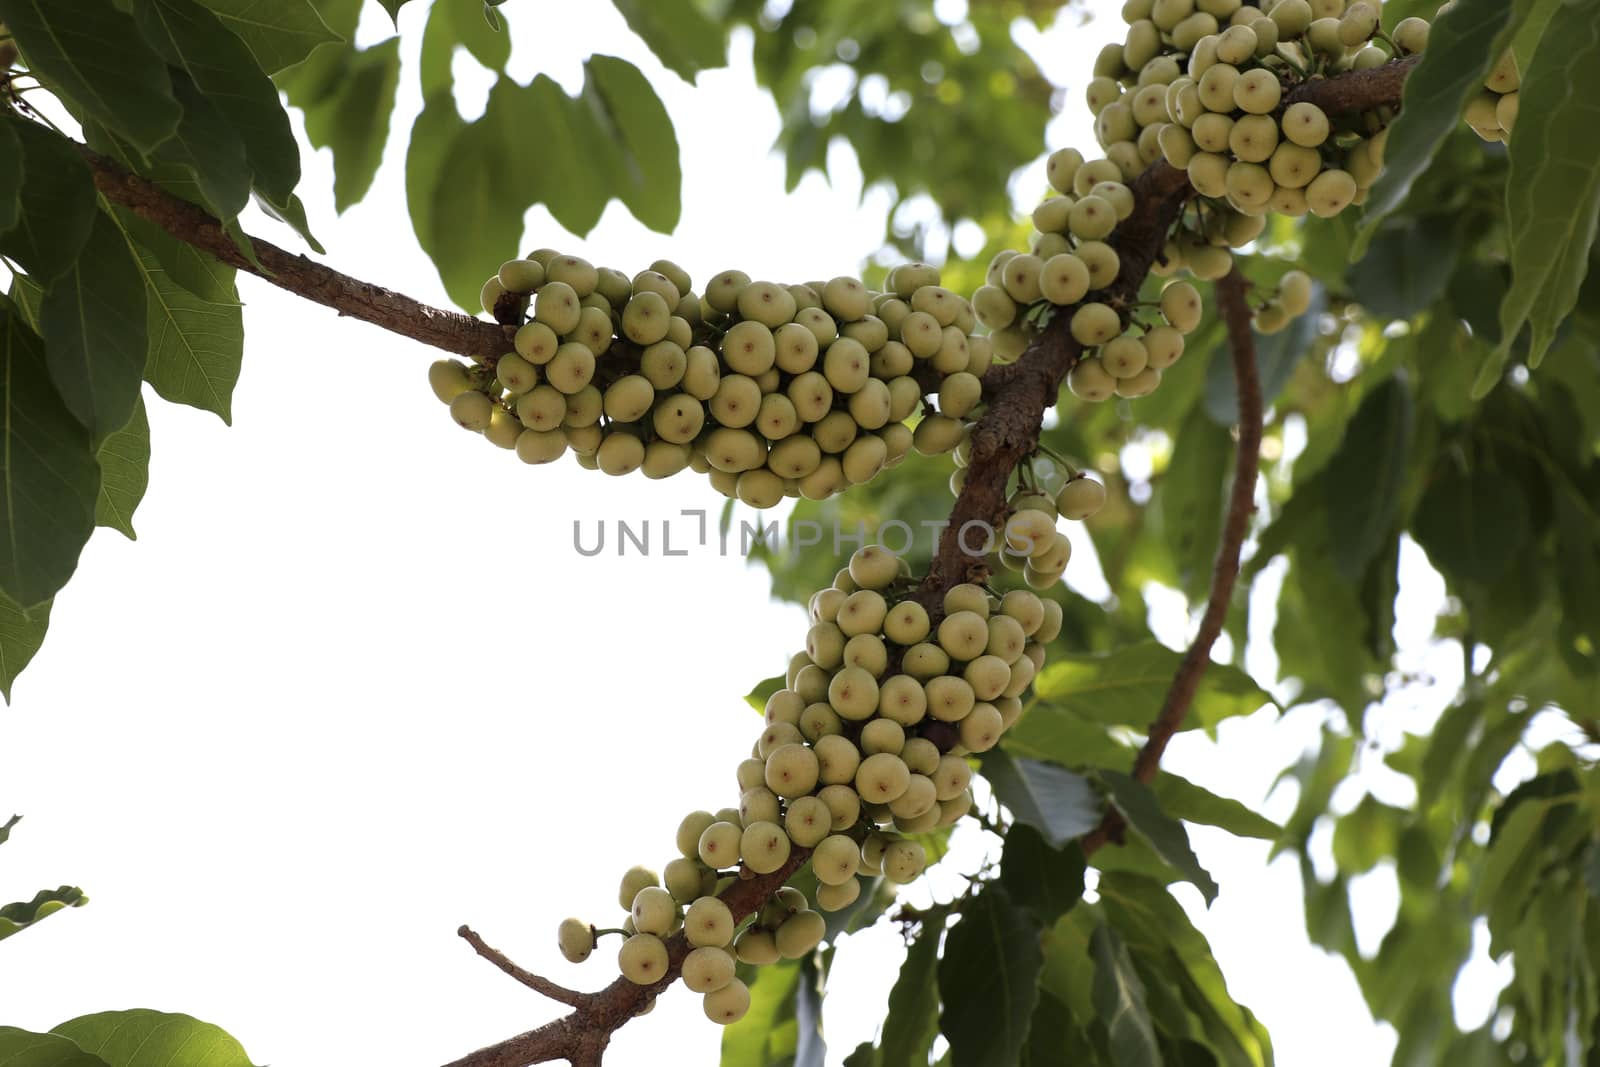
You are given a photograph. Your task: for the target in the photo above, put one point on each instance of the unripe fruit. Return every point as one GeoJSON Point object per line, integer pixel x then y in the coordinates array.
{"type": "Point", "coordinates": [835, 860]}
{"type": "Point", "coordinates": [642, 959]}
{"type": "Point", "coordinates": [1411, 35]}
{"type": "Point", "coordinates": [800, 933]}
{"type": "Point", "coordinates": [882, 735]}
{"type": "Point", "coordinates": [471, 411]}
{"type": "Point", "coordinates": [759, 804]}
{"type": "Point", "coordinates": [844, 802]}
{"type": "Point", "coordinates": [718, 847]}
{"type": "Point", "coordinates": [449, 379]}
{"type": "Point", "coordinates": [687, 879]}
{"type": "Point", "coordinates": [756, 946]}
{"type": "Point", "coordinates": [763, 847]}
{"type": "Point", "coordinates": [1330, 193]}
{"type": "Point", "coordinates": [1089, 381]}
{"type": "Point", "coordinates": [1095, 324]}
{"type": "Point", "coordinates": [654, 911]}
{"type": "Point", "coordinates": [1257, 91]}
{"type": "Point", "coordinates": [728, 1004]}
{"type": "Point", "coordinates": [708, 922]}
{"type": "Point", "coordinates": [837, 897]}
{"type": "Point", "coordinates": [689, 830]}
{"type": "Point", "coordinates": [954, 774]}
{"type": "Point", "coordinates": [791, 772]}
{"type": "Point", "coordinates": [949, 698]}
{"type": "Point", "coordinates": [903, 861]}
{"type": "Point", "coordinates": [707, 969]}
{"type": "Point", "coordinates": [575, 939]}
{"type": "Point", "coordinates": [1064, 279]}
{"type": "Point", "coordinates": [808, 819]}
{"type": "Point", "coordinates": [881, 778]}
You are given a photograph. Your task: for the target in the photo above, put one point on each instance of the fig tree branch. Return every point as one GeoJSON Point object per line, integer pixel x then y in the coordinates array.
{"type": "Point", "coordinates": [449, 331]}
{"type": "Point", "coordinates": [1231, 292]}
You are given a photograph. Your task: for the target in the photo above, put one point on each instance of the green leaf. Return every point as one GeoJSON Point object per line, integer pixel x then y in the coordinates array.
{"type": "Point", "coordinates": [354, 120]}
{"type": "Point", "coordinates": [1166, 835]}
{"type": "Point", "coordinates": [562, 153]}
{"type": "Point", "coordinates": [19, 1048]}
{"type": "Point", "coordinates": [1471, 524]}
{"type": "Point", "coordinates": [1461, 49]}
{"type": "Point", "coordinates": [1119, 999]}
{"type": "Point", "coordinates": [1407, 266]}
{"type": "Point", "coordinates": [433, 138]}
{"type": "Point", "coordinates": [769, 1033]}
{"type": "Point", "coordinates": [1368, 834]}
{"type": "Point", "coordinates": [124, 473]}
{"type": "Point", "coordinates": [5, 828]}
{"type": "Point", "coordinates": [757, 697]}
{"type": "Point", "coordinates": [1370, 467]}
{"type": "Point", "coordinates": [1190, 496]}
{"type": "Point", "coordinates": [1052, 733]}
{"type": "Point", "coordinates": [10, 177]}
{"type": "Point", "coordinates": [913, 1019]}
{"type": "Point", "coordinates": [48, 474]}
{"type": "Point", "coordinates": [989, 981]}
{"type": "Point", "coordinates": [472, 221]}
{"type": "Point", "coordinates": [196, 346]}
{"type": "Point", "coordinates": [1553, 193]}
{"type": "Point", "coordinates": [461, 22]}
{"type": "Point", "coordinates": [93, 320]}
{"type": "Point", "coordinates": [679, 33]}
{"type": "Point", "coordinates": [292, 213]}
{"type": "Point", "coordinates": [205, 160]}
{"type": "Point", "coordinates": [279, 33]}
{"type": "Point", "coordinates": [622, 99]}
{"type": "Point", "coordinates": [17, 917]}
{"type": "Point", "coordinates": [1126, 687]}
{"type": "Point", "coordinates": [194, 39]}
{"type": "Point", "coordinates": [90, 53]}
{"type": "Point", "coordinates": [21, 635]}
{"type": "Point", "coordinates": [144, 1038]}
{"type": "Point", "coordinates": [199, 272]}
{"type": "Point", "coordinates": [57, 203]}
{"type": "Point", "coordinates": [1047, 881]}
{"type": "Point", "coordinates": [1182, 799]}
{"type": "Point", "coordinates": [1059, 804]}
{"type": "Point", "coordinates": [393, 8]}
{"type": "Point", "coordinates": [1277, 355]}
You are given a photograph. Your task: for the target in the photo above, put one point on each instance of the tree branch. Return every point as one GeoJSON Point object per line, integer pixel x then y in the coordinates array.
{"type": "Point", "coordinates": [1017, 395]}
{"type": "Point", "coordinates": [1236, 316]}
{"type": "Point", "coordinates": [448, 331]}
{"type": "Point", "coordinates": [560, 993]}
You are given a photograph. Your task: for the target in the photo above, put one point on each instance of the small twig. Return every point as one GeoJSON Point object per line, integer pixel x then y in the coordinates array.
{"type": "Point", "coordinates": [571, 998]}
{"type": "Point", "coordinates": [1235, 308]}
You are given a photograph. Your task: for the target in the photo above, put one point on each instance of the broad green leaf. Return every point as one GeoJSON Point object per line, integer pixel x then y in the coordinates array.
{"type": "Point", "coordinates": [354, 121]}
{"type": "Point", "coordinates": [1182, 799]}
{"type": "Point", "coordinates": [1368, 834]}
{"type": "Point", "coordinates": [93, 319]}
{"type": "Point", "coordinates": [21, 635]}
{"type": "Point", "coordinates": [194, 39]}
{"type": "Point", "coordinates": [144, 1038]}
{"type": "Point", "coordinates": [196, 347]}
{"type": "Point", "coordinates": [205, 160]}
{"type": "Point", "coordinates": [393, 8]}
{"type": "Point", "coordinates": [560, 151]}
{"type": "Point", "coordinates": [19, 1048]}
{"type": "Point", "coordinates": [124, 473]}
{"type": "Point", "coordinates": [757, 697]}
{"type": "Point", "coordinates": [1461, 49]}
{"type": "Point", "coordinates": [473, 222]}
{"type": "Point", "coordinates": [434, 65]}
{"type": "Point", "coordinates": [679, 33]}
{"type": "Point", "coordinates": [1553, 194]}
{"type": "Point", "coordinates": [1126, 687]}
{"type": "Point", "coordinates": [1059, 804]}
{"type": "Point", "coordinates": [292, 213]}
{"type": "Point", "coordinates": [199, 272]}
{"type": "Point", "coordinates": [17, 917]}
{"type": "Point", "coordinates": [1471, 523]}
{"type": "Point", "coordinates": [1166, 834]}
{"type": "Point", "coordinates": [1407, 266]}
{"type": "Point", "coordinates": [5, 828]}
{"type": "Point", "coordinates": [1052, 733]}
{"type": "Point", "coordinates": [461, 22]}
{"type": "Point", "coordinates": [1047, 881]}
{"type": "Point", "coordinates": [433, 138]}
{"type": "Point", "coordinates": [1190, 497]}
{"type": "Point", "coordinates": [913, 1019]}
{"type": "Point", "coordinates": [48, 477]}
{"type": "Point", "coordinates": [1120, 1001]}
{"type": "Point", "coordinates": [1369, 467]}
{"type": "Point", "coordinates": [769, 1033]}
{"type": "Point", "coordinates": [1277, 355]}
{"type": "Point", "coordinates": [91, 54]}
{"type": "Point", "coordinates": [279, 33]}
{"type": "Point", "coordinates": [57, 201]}
{"type": "Point", "coordinates": [989, 981]}
{"type": "Point", "coordinates": [10, 177]}
{"type": "Point", "coordinates": [651, 178]}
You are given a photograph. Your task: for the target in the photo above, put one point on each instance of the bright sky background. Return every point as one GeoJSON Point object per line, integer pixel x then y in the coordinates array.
{"type": "Point", "coordinates": [353, 687]}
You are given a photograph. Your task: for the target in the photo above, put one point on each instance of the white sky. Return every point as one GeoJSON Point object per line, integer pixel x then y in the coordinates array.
{"type": "Point", "coordinates": [353, 687]}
